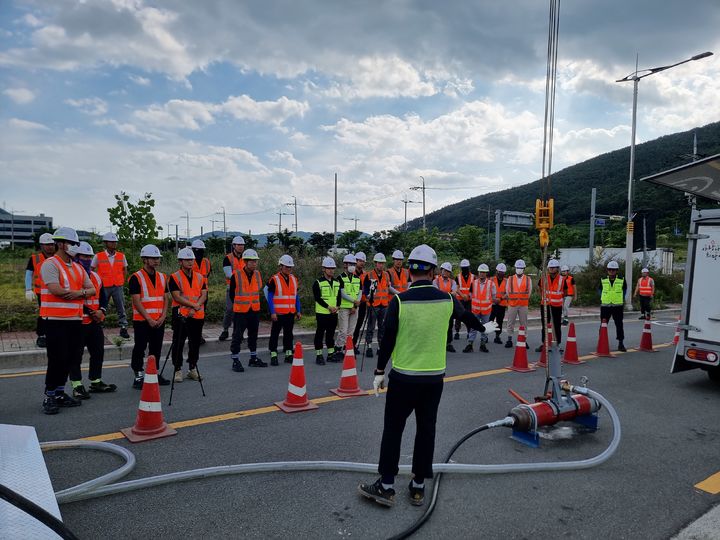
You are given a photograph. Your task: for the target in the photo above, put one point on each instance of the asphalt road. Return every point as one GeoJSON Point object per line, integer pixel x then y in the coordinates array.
{"type": "Point", "coordinates": [671, 441]}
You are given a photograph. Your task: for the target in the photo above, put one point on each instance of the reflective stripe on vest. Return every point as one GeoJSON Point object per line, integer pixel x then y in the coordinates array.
{"type": "Point", "coordinates": [204, 267]}
{"type": "Point", "coordinates": [285, 294]}
{"type": "Point", "coordinates": [152, 295]}
{"type": "Point", "coordinates": [421, 336]}
{"type": "Point", "coordinates": [69, 277]}
{"type": "Point", "coordinates": [399, 283]}
{"type": "Point", "coordinates": [646, 286]}
{"type": "Point", "coordinates": [500, 288]}
{"type": "Point", "coordinates": [329, 293]}
{"type": "Point", "coordinates": [112, 275]}
{"type": "Point", "coordinates": [481, 297]}
{"type": "Point", "coordinates": [381, 296]}
{"type": "Point", "coordinates": [191, 291]}
{"type": "Point", "coordinates": [570, 285]}
{"type": "Point", "coordinates": [444, 284]}
{"type": "Point", "coordinates": [37, 260]}
{"type": "Point", "coordinates": [518, 290]}
{"type": "Point", "coordinates": [612, 295]}
{"type": "Point", "coordinates": [351, 285]}
{"type": "Point", "coordinates": [237, 265]}
{"type": "Point", "coordinates": [554, 291]}
{"type": "Point", "coordinates": [93, 302]}
{"type": "Point", "coordinates": [463, 291]}
{"type": "Point", "coordinates": [247, 292]}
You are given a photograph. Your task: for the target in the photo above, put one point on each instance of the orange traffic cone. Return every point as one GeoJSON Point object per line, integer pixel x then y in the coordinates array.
{"type": "Point", "coordinates": [149, 423]}
{"type": "Point", "coordinates": [676, 339]}
{"type": "Point", "coordinates": [603, 344]}
{"type": "Point", "coordinates": [646, 339]}
{"type": "Point", "coordinates": [543, 353]}
{"type": "Point", "coordinates": [296, 399]}
{"type": "Point", "coordinates": [349, 385]}
{"type": "Point", "coordinates": [571, 350]}
{"type": "Point", "coordinates": [520, 360]}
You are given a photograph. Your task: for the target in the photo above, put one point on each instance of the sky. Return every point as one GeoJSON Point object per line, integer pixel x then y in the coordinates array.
{"type": "Point", "coordinates": [243, 105]}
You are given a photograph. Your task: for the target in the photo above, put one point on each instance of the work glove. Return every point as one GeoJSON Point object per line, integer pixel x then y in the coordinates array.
{"type": "Point", "coordinates": [490, 326]}
{"type": "Point", "coordinates": [30, 295]}
{"type": "Point", "coordinates": [378, 383]}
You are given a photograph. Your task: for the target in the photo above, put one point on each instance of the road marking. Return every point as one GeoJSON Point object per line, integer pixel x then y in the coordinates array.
{"type": "Point", "coordinates": [711, 484]}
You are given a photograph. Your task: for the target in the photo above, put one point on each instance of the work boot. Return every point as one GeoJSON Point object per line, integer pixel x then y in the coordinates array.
{"type": "Point", "coordinates": [100, 387]}
{"type": "Point", "coordinates": [457, 335]}
{"type": "Point", "coordinates": [319, 360]}
{"type": "Point", "coordinates": [256, 362]}
{"type": "Point", "coordinates": [79, 392]}
{"type": "Point", "coordinates": [338, 357]}
{"type": "Point", "coordinates": [288, 359]}
{"type": "Point", "coordinates": [357, 351]}
{"type": "Point", "coordinates": [202, 340]}
{"type": "Point", "coordinates": [417, 494]}
{"type": "Point", "coordinates": [369, 352]}
{"type": "Point", "coordinates": [273, 361]}
{"type": "Point", "coordinates": [497, 339]}
{"type": "Point", "coordinates": [468, 348]}
{"type": "Point", "coordinates": [565, 322]}
{"type": "Point", "coordinates": [377, 493]}
{"type": "Point", "coordinates": [450, 348]}
{"type": "Point", "coordinates": [508, 343]}
{"type": "Point", "coordinates": [483, 348]}
{"type": "Point", "coordinates": [162, 381]}
{"type": "Point", "coordinates": [178, 378]}
{"type": "Point", "coordinates": [40, 342]}
{"type": "Point", "coordinates": [49, 405]}
{"type": "Point", "coordinates": [193, 375]}
{"type": "Point", "coordinates": [527, 345]}
{"type": "Point", "coordinates": [621, 346]}
{"type": "Point", "coordinates": [237, 366]}
{"type": "Point", "coordinates": [63, 400]}
{"type": "Point", "coordinates": [124, 332]}
{"type": "Point", "coordinates": [223, 335]}
{"type": "Point", "coordinates": [138, 381]}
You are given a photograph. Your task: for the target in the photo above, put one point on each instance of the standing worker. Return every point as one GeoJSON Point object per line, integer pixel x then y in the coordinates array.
{"type": "Point", "coordinates": [326, 291]}
{"type": "Point", "coordinates": [517, 292]}
{"type": "Point", "coordinates": [33, 283]}
{"type": "Point", "coordinates": [571, 292]}
{"type": "Point", "coordinates": [150, 302]}
{"type": "Point", "coordinates": [399, 276]}
{"type": "Point", "coordinates": [482, 296]}
{"type": "Point", "coordinates": [415, 338]}
{"type": "Point", "coordinates": [232, 262]}
{"type": "Point", "coordinates": [464, 280]}
{"type": "Point", "coordinates": [202, 265]}
{"type": "Point", "coordinates": [377, 291]}
{"type": "Point", "coordinates": [92, 336]}
{"type": "Point", "coordinates": [351, 297]}
{"type": "Point", "coordinates": [245, 291]}
{"type": "Point", "coordinates": [65, 287]}
{"type": "Point", "coordinates": [612, 299]}
{"type": "Point", "coordinates": [111, 266]}
{"type": "Point", "coordinates": [498, 309]}
{"type": "Point", "coordinates": [360, 259]}
{"type": "Point", "coordinates": [645, 289]}
{"type": "Point", "coordinates": [551, 304]}
{"type": "Point", "coordinates": [284, 304]}
{"type": "Point", "coordinates": [446, 283]}
{"type": "Point", "coordinates": [189, 292]}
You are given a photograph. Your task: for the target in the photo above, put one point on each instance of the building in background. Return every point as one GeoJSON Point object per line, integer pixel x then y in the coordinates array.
{"type": "Point", "coordinates": [20, 229]}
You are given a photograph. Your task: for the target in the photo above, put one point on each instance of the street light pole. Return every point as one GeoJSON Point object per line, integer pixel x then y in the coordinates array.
{"type": "Point", "coordinates": [415, 188]}
{"type": "Point", "coordinates": [405, 202]}
{"type": "Point", "coordinates": [635, 78]}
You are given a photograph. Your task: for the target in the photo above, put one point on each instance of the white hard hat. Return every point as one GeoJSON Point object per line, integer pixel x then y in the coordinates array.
{"type": "Point", "coordinates": [197, 244]}
{"type": "Point", "coordinates": [501, 267]}
{"type": "Point", "coordinates": [151, 251]}
{"type": "Point", "coordinates": [464, 263]}
{"type": "Point", "coordinates": [644, 270]}
{"type": "Point", "coordinates": [349, 258]}
{"type": "Point", "coordinates": [286, 260]}
{"type": "Point", "coordinates": [46, 238]}
{"type": "Point", "coordinates": [360, 256]}
{"type": "Point", "coordinates": [397, 254]}
{"type": "Point", "coordinates": [613, 265]}
{"type": "Point", "coordinates": [422, 254]}
{"type": "Point", "coordinates": [239, 240]}
{"type": "Point", "coordinates": [519, 263]}
{"type": "Point", "coordinates": [109, 237]}
{"type": "Point", "coordinates": [328, 262]}
{"type": "Point", "coordinates": [85, 249]}
{"type": "Point", "coordinates": [483, 268]}
{"type": "Point", "coordinates": [65, 233]}
{"type": "Point", "coordinates": [564, 268]}
{"type": "Point", "coordinates": [446, 266]}
{"type": "Point", "coordinates": [553, 263]}
{"type": "Point", "coordinates": [250, 255]}
{"type": "Point", "coordinates": [185, 254]}
{"type": "Point", "coordinates": [379, 257]}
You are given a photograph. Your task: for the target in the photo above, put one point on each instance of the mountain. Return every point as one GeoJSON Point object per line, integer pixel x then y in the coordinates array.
{"type": "Point", "coordinates": [608, 173]}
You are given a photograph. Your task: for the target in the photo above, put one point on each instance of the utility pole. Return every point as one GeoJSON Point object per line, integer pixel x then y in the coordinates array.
{"type": "Point", "coordinates": [355, 219]}
{"type": "Point", "coordinates": [201, 231]}
{"type": "Point", "coordinates": [213, 222]}
{"type": "Point", "coordinates": [280, 215]}
{"type": "Point", "coordinates": [224, 225]}
{"type": "Point", "coordinates": [187, 221]}
{"type": "Point", "coordinates": [498, 219]}
{"type": "Point", "coordinates": [335, 229]}
{"type": "Point", "coordinates": [294, 204]}
{"type": "Point", "coordinates": [176, 238]}
{"type": "Point", "coordinates": [405, 201]}
{"type": "Point", "coordinates": [415, 188]}
{"type": "Point", "coordinates": [593, 197]}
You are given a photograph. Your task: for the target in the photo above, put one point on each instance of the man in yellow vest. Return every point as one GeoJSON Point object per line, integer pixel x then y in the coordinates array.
{"type": "Point", "coordinates": [415, 338]}
{"type": "Point", "coordinates": [111, 265]}
{"type": "Point", "coordinates": [645, 290]}
{"type": "Point", "coordinates": [33, 283]}
{"type": "Point", "coordinates": [351, 295]}
{"type": "Point", "coordinates": [232, 262]}
{"type": "Point", "coordinates": [245, 288]}
{"type": "Point", "coordinates": [283, 300]}
{"type": "Point", "coordinates": [612, 300]}
{"type": "Point", "coordinates": [326, 291]}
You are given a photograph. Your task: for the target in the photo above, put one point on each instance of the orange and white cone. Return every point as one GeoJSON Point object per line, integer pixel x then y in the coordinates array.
{"type": "Point", "coordinates": [676, 339]}
{"type": "Point", "coordinates": [349, 385]}
{"type": "Point", "coordinates": [646, 339]}
{"type": "Point", "coordinates": [571, 350]}
{"type": "Point", "coordinates": [149, 423]}
{"type": "Point", "coordinates": [603, 344]}
{"type": "Point", "coordinates": [296, 399]}
{"type": "Point", "coordinates": [520, 360]}
{"type": "Point", "coordinates": [543, 352]}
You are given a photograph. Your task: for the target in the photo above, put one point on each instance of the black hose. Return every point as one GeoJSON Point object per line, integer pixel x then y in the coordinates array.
{"type": "Point", "coordinates": [38, 512]}
{"type": "Point", "coordinates": [436, 488]}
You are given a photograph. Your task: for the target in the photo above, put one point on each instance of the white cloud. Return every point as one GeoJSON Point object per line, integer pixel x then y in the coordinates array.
{"type": "Point", "coordinates": [140, 81]}
{"type": "Point", "coordinates": [272, 112]}
{"type": "Point", "coordinates": [21, 96]}
{"type": "Point", "coordinates": [93, 106]}
{"type": "Point", "coordinates": [27, 124]}
{"type": "Point", "coordinates": [284, 157]}
{"type": "Point", "coordinates": [177, 114]}
{"type": "Point", "coordinates": [128, 129]}
{"type": "Point", "coordinates": [31, 20]}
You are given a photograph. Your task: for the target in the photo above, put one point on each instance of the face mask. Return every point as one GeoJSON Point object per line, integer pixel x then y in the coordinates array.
{"type": "Point", "coordinates": [351, 269]}
{"type": "Point", "coordinates": [85, 264]}
{"type": "Point", "coordinates": [519, 271]}
{"type": "Point", "coordinates": [72, 250]}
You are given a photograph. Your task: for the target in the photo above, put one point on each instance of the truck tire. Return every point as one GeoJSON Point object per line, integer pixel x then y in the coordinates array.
{"type": "Point", "coordinates": [714, 374]}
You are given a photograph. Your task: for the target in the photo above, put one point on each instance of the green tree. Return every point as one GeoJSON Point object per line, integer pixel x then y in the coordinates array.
{"type": "Point", "coordinates": [469, 242]}
{"type": "Point", "coordinates": [322, 242]}
{"type": "Point", "coordinates": [270, 240]}
{"type": "Point", "coordinates": [287, 239]}
{"type": "Point", "coordinates": [349, 239]}
{"type": "Point", "coordinates": [135, 222]}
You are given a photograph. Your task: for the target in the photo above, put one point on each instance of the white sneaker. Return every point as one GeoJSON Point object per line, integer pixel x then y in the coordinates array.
{"type": "Point", "coordinates": [178, 376]}
{"type": "Point", "coordinates": [193, 374]}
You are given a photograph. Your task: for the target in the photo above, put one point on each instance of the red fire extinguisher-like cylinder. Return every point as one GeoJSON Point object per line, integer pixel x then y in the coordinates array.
{"type": "Point", "coordinates": [529, 417]}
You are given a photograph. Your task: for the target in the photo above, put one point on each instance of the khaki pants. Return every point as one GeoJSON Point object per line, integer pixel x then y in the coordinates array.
{"type": "Point", "coordinates": [346, 325]}
{"type": "Point", "coordinates": [512, 313]}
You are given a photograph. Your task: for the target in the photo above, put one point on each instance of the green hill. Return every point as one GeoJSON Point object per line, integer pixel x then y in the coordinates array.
{"type": "Point", "coordinates": [607, 172]}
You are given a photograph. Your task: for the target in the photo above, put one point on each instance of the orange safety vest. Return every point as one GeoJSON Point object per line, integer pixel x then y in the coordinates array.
{"type": "Point", "coordinates": [72, 278]}
{"type": "Point", "coordinates": [237, 265]}
{"type": "Point", "coordinates": [444, 284]}
{"type": "Point", "coordinates": [247, 292]}
{"type": "Point", "coordinates": [647, 286]}
{"type": "Point", "coordinates": [37, 260]}
{"type": "Point", "coordinates": [191, 291]}
{"type": "Point", "coordinates": [152, 295]}
{"type": "Point", "coordinates": [554, 291]}
{"type": "Point", "coordinates": [463, 291]}
{"type": "Point", "coordinates": [481, 297]}
{"type": "Point", "coordinates": [570, 281]}
{"type": "Point", "coordinates": [362, 285]}
{"type": "Point", "coordinates": [93, 302]}
{"type": "Point", "coordinates": [518, 291]}
{"type": "Point", "coordinates": [112, 275]}
{"type": "Point", "coordinates": [204, 267]}
{"type": "Point", "coordinates": [285, 293]}
{"type": "Point", "coordinates": [399, 282]}
{"type": "Point", "coordinates": [500, 287]}
{"type": "Point", "coordinates": [381, 296]}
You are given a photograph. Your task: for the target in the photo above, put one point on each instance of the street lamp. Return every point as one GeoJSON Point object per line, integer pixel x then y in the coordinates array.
{"type": "Point", "coordinates": [635, 78]}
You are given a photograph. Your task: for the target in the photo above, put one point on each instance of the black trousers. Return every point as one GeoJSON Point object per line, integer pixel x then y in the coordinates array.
{"type": "Point", "coordinates": [284, 323]}
{"type": "Point", "coordinates": [186, 328]}
{"type": "Point", "coordinates": [326, 325]}
{"type": "Point", "coordinates": [40, 324]}
{"type": "Point", "coordinates": [94, 340]}
{"type": "Point", "coordinates": [616, 312]}
{"type": "Point", "coordinates": [645, 305]}
{"type": "Point", "coordinates": [64, 348]}
{"type": "Point", "coordinates": [402, 399]}
{"type": "Point", "coordinates": [145, 335]}
{"type": "Point", "coordinates": [362, 310]}
{"type": "Point", "coordinates": [449, 338]}
{"type": "Point", "coordinates": [458, 324]}
{"type": "Point", "coordinates": [498, 315]}
{"type": "Point", "coordinates": [554, 314]}
{"type": "Point", "coordinates": [241, 322]}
